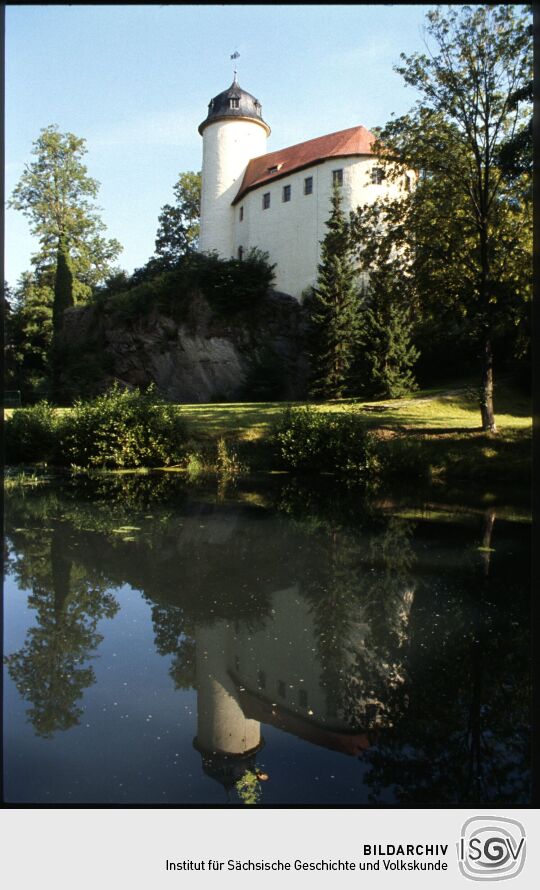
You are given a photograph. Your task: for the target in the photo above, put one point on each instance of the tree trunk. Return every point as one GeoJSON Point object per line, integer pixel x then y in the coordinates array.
{"type": "Point", "coordinates": [486, 397]}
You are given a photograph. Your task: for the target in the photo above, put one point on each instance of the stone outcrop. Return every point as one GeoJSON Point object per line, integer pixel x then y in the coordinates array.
{"type": "Point", "coordinates": [206, 357]}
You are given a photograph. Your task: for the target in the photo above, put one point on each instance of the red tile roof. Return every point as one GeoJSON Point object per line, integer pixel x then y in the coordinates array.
{"type": "Point", "coordinates": [354, 141]}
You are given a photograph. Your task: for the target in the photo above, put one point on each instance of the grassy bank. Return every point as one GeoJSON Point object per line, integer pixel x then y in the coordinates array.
{"type": "Point", "coordinates": [434, 434]}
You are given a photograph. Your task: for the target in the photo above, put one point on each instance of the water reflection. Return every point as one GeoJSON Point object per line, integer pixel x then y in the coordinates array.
{"type": "Point", "coordinates": [332, 621]}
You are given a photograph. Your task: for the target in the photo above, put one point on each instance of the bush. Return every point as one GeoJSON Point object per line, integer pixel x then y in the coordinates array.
{"type": "Point", "coordinates": [314, 441]}
{"type": "Point", "coordinates": [31, 435]}
{"type": "Point", "coordinates": [123, 429]}
{"type": "Point", "coordinates": [228, 285]}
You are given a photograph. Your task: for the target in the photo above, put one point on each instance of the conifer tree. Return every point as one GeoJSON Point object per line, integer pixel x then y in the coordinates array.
{"type": "Point", "coordinates": [387, 353]}
{"type": "Point", "coordinates": [333, 309]}
{"type": "Point", "coordinates": [63, 284]}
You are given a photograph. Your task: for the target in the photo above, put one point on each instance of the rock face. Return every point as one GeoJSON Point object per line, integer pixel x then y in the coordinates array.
{"type": "Point", "coordinates": [206, 357]}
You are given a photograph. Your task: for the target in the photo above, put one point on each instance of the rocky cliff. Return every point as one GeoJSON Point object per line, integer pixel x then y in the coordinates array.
{"type": "Point", "coordinates": [207, 356]}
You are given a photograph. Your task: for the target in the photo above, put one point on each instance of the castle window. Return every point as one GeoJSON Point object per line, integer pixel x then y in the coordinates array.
{"type": "Point", "coordinates": [337, 177]}
{"type": "Point", "coordinates": [286, 193]}
{"type": "Point", "coordinates": [308, 185]}
{"type": "Point", "coordinates": [241, 214]}
{"type": "Point", "coordinates": [234, 103]}
{"type": "Point", "coordinates": [377, 175]}
{"type": "Point", "coordinates": [240, 253]}
{"type": "Point", "coordinates": [266, 201]}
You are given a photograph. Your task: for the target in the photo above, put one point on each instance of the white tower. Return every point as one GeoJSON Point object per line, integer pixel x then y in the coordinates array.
{"type": "Point", "coordinates": [233, 133]}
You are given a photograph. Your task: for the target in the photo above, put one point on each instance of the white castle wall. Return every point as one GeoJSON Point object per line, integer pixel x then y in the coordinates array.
{"type": "Point", "coordinates": [228, 145]}
{"type": "Point", "coordinates": [291, 231]}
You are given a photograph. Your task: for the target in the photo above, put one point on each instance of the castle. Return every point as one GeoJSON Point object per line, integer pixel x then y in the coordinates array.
{"type": "Point", "coordinates": [279, 201]}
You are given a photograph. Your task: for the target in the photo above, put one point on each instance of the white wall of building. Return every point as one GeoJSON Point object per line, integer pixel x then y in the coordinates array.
{"type": "Point", "coordinates": [228, 145]}
{"type": "Point", "coordinates": [291, 232]}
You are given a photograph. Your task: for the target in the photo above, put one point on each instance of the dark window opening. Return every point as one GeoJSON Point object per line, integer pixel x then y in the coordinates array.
{"type": "Point", "coordinates": [286, 193]}
{"type": "Point", "coordinates": [337, 177]}
{"type": "Point", "coordinates": [241, 214]}
{"type": "Point", "coordinates": [240, 253]}
{"type": "Point", "coordinates": [266, 201]}
{"type": "Point", "coordinates": [377, 175]}
{"type": "Point", "coordinates": [308, 185]}
{"type": "Point", "coordinates": [234, 103]}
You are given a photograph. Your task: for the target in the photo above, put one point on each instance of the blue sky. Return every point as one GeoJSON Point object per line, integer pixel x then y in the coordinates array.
{"type": "Point", "coordinates": [135, 82]}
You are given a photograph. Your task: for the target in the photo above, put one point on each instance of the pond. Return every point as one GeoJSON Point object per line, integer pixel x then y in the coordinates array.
{"type": "Point", "coordinates": [266, 643]}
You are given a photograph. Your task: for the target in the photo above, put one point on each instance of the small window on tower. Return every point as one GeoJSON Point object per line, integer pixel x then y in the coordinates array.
{"type": "Point", "coordinates": [308, 185]}
{"type": "Point", "coordinates": [241, 214]}
{"type": "Point", "coordinates": [240, 253]}
{"type": "Point", "coordinates": [286, 193]}
{"type": "Point", "coordinates": [266, 201]}
{"type": "Point", "coordinates": [234, 103]}
{"type": "Point", "coordinates": [337, 177]}
{"type": "Point", "coordinates": [377, 175]}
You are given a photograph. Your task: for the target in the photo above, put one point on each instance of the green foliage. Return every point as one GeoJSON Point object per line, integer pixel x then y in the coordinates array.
{"type": "Point", "coordinates": [178, 231]}
{"type": "Point", "coordinates": [387, 356]}
{"type": "Point", "coordinates": [333, 310]}
{"type": "Point", "coordinates": [63, 284]}
{"type": "Point", "coordinates": [29, 331]}
{"type": "Point", "coordinates": [123, 429]}
{"type": "Point", "coordinates": [248, 788]}
{"type": "Point", "coordinates": [469, 220]}
{"type": "Point", "coordinates": [56, 194]}
{"type": "Point", "coordinates": [229, 286]}
{"type": "Point", "coordinates": [117, 429]}
{"type": "Point", "coordinates": [31, 435]}
{"type": "Point", "coordinates": [311, 441]}
{"type": "Point", "coordinates": [266, 378]}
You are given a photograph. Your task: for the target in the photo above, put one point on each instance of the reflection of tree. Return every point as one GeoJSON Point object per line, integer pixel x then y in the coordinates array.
{"type": "Point", "coordinates": [174, 636]}
{"type": "Point", "coordinates": [360, 612]}
{"type": "Point", "coordinates": [50, 670]}
{"type": "Point", "coordinates": [464, 735]}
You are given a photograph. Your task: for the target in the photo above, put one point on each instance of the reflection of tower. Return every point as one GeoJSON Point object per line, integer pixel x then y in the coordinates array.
{"type": "Point", "coordinates": [227, 740]}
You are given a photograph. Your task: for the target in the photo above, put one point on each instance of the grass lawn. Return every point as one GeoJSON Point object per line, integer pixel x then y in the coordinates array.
{"type": "Point", "coordinates": [433, 411]}
{"type": "Point", "coordinates": [442, 424]}
{"type": "Point", "coordinates": [440, 429]}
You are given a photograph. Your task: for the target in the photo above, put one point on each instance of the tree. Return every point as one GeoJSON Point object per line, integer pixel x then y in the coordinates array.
{"type": "Point", "coordinates": [63, 284]}
{"type": "Point", "coordinates": [56, 194]}
{"type": "Point", "coordinates": [333, 309]}
{"type": "Point", "coordinates": [470, 220]}
{"type": "Point", "coordinates": [386, 309]}
{"type": "Point", "coordinates": [29, 331]}
{"type": "Point", "coordinates": [178, 231]}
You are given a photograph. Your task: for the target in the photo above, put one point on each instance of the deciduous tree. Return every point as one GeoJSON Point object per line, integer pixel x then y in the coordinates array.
{"type": "Point", "coordinates": [57, 195]}
{"type": "Point", "coordinates": [471, 215]}
{"type": "Point", "coordinates": [178, 231]}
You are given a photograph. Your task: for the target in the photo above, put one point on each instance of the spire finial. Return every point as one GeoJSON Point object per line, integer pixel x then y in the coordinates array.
{"type": "Point", "coordinates": [235, 55]}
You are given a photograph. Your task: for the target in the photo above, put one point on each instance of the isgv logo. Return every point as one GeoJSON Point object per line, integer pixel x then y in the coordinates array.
{"type": "Point", "coordinates": [491, 848]}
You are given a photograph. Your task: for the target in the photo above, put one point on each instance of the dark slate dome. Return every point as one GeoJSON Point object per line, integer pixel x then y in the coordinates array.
{"type": "Point", "coordinates": [234, 103]}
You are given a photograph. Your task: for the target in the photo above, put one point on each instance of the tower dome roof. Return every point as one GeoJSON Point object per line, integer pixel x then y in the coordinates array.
{"type": "Point", "coordinates": [234, 103]}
